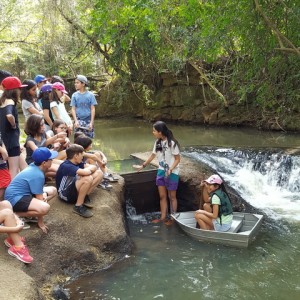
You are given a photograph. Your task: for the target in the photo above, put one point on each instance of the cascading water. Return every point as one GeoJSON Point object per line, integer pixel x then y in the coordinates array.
{"type": "Point", "coordinates": [268, 180]}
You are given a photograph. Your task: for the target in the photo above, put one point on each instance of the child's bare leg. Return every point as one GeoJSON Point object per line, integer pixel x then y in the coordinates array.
{"type": "Point", "coordinates": [83, 185]}
{"type": "Point", "coordinates": [7, 217]}
{"type": "Point", "coordinates": [163, 201]}
{"type": "Point", "coordinates": [207, 207]}
{"type": "Point", "coordinates": [49, 193]}
{"type": "Point", "coordinates": [97, 178]}
{"type": "Point", "coordinates": [203, 221]}
{"type": "Point", "coordinates": [173, 201]}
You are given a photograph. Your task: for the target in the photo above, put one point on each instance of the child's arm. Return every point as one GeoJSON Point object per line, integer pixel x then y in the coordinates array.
{"type": "Point", "coordinates": [175, 164]}
{"type": "Point", "coordinates": [150, 158]}
{"type": "Point", "coordinates": [3, 152]}
{"type": "Point", "coordinates": [11, 119]}
{"type": "Point", "coordinates": [15, 229]}
{"type": "Point", "coordinates": [88, 170]}
{"type": "Point", "coordinates": [55, 112]}
{"type": "Point", "coordinates": [73, 110]}
{"type": "Point", "coordinates": [92, 116]}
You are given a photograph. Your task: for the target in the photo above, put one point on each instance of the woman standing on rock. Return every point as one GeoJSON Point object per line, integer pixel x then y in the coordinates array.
{"type": "Point", "coordinates": [166, 149]}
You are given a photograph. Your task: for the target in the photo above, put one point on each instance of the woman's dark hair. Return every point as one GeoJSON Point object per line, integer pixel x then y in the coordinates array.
{"type": "Point", "coordinates": [83, 141]}
{"type": "Point", "coordinates": [33, 124]}
{"type": "Point", "coordinates": [161, 127]}
{"type": "Point", "coordinates": [13, 94]}
{"type": "Point", "coordinates": [73, 149]}
{"type": "Point", "coordinates": [54, 97]}
{"type": "Point", "coordinates": [25, 91]}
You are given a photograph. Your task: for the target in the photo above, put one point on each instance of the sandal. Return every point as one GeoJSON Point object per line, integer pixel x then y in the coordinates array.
{"type": "Point", "coordinates": [168, 222]}
{"type": "Point", "coordinates": [156, 221]}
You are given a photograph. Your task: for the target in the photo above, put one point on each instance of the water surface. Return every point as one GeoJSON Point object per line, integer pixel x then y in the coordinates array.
{"type": "Point", "coordinates": [167, 264]}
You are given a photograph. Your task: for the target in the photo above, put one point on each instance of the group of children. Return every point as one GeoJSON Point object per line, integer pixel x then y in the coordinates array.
{"type": "Point", "coordinates": [76, 170]}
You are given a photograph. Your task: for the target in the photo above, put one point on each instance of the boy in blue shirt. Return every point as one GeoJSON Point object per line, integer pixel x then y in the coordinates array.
{"type": "Point", "coordinates": [27, 193]}
{"type": "Point", "coordinates": [83, 107]}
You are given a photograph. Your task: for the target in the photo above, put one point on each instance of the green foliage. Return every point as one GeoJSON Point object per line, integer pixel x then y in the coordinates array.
{"type": "Point", "coordinates": [139, 39]}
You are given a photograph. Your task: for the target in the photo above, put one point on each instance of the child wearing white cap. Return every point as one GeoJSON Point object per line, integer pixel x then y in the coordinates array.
{"type": "Point", "coordinates": [217, 214]}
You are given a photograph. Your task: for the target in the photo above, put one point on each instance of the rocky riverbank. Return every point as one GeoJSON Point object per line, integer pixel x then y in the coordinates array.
{"type": "Point", "coordinates": [76, 246]}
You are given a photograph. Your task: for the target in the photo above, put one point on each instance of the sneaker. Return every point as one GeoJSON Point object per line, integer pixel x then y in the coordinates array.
{"type": "Point", "coordinates": [88, 202]}
{"type": "Point", "coordinates": [105, 185]}
{"type": "Point", "coordinates": [26, 225]}
{"type": "Point", "coordinates": [21, 254]}
{"type": "Point", "coordinates": [9, 242]}
{"type": "Point", "coordinates": [30, 219]}
{"type": "Point", "coordinates": [110, 177]}
{"type": "Point", "coordinates": [82, 211]}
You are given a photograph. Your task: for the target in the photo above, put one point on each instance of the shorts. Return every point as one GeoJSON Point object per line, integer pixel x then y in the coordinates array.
{"type": "Point", "coordinates": [219, 227]}
{"type": "Point", "coordinates": [70, 194]}
{"type": "Point", "coordinates": [23, 204]}
{"type": "Point", "coordinates": [5, 178]}
{"type": "Point", "coordinates": [170, 182]}
{"type": "Point", "coordinates": [15, 151]}
{"type": "Point", "coordinates": [83, 125]}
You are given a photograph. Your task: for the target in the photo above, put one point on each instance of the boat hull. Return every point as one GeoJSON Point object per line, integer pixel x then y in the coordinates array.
{"type": "Point", "coordinates": [249, 227]}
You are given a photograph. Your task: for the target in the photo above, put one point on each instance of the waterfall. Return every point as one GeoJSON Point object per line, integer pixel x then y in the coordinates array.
{"type": "Point", "coordinates": [268, 180]}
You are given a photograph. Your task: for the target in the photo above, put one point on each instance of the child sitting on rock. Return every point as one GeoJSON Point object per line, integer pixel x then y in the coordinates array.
{"type": "Point", "coordinates": [12, 225]}
{"type": "Point", "coordinates": [76, 180]}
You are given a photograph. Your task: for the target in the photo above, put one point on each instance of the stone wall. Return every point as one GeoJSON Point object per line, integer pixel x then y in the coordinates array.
{"type": "Point", "coordinates": [187, 99]}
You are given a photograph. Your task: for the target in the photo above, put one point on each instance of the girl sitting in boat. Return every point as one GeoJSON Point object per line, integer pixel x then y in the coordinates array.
{"type": "Point", "coordinates": [217, 214]}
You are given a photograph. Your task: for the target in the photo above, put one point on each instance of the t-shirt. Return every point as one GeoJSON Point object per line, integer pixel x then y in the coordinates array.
{"type": "Point", "coordinates": [10, 136]}
{"type": "Point", "coordinates": [83, 102]}
{"type": "Point", "coordinates": [29, 151]}
{"type": "Point", "coordinates": [62, 112]}
{"type": "Point", "coordinates": [66, 174]}
{"type": "Point", "coordinates": [167, 155]}
{"type": "Point", "coordinates": [45, 104]}
{"type": "Point", "coordinates": [225, 219]}
{"type": "Point", "coordinates": [25, 108]}
{"type": "Point", "coordinates": [30, 181]}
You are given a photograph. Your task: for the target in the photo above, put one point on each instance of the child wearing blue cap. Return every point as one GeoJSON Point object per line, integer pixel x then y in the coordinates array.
{"type": "Point", "coordinates": [27, 193]}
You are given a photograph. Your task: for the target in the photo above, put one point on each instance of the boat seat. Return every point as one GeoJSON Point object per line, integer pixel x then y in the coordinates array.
{"type": "Point", "coordinates": [236, 225]}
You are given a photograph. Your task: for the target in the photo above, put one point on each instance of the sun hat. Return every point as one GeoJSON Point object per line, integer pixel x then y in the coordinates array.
{"type": "Point", "coordinates": [82, 79]}
{"type": "Point", "coordinates": [46, 88]}
{"type": "Point", "coordinates": [10, 83]}
{"type": "Point", "coordinates": [40, 78]}
{"type": "Point", "coordinates": [42, 154]}
{"type": "Point", "coordinates": [59, 86]}
{"type": "Point", "coordinates": [214, 179]}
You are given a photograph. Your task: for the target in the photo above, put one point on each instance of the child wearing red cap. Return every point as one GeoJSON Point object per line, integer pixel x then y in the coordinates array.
{"type": "Point", "coordinates": [217, 213]}
{"type": "Point", "coordinates": [9, 123]}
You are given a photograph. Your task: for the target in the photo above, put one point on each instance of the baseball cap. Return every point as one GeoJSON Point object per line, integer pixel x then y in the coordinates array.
{"type": "Point", "coordinates": [82, 79]}
{"type": "Point", "coordinates": [214, 179]}
{"type": "Point", "coordinates": [40, 78]}
{"type": "Point", "coordinates": [42, 154]}
{"type": "Point", "coordinates": [59, 86]}
{"type": "Point", "coordinates": [10, 83]}
{"type": "Point", "coordinates": [46, 88]}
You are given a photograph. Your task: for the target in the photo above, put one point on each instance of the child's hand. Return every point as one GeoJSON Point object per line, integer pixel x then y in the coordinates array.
{"type": "Point", "coordinates": [138, 168]}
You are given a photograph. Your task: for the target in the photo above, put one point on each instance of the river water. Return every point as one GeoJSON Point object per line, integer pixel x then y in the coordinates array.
{"type": "Point", "coordinates": [167, 264]}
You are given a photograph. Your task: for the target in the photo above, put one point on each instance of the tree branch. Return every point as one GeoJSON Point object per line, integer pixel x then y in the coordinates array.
{"type": "Point", "coordinates": [279, 36]}
{"type": "Point", "coordinates": [208, 82]}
